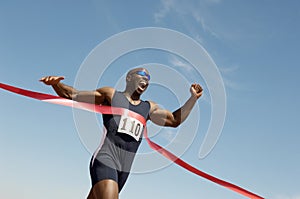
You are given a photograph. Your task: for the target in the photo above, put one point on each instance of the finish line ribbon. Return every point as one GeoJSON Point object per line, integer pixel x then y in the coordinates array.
{"type": "Point", "coordinates": [121, 111]}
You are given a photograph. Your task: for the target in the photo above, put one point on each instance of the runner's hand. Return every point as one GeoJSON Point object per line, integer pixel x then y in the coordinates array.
{"type": "Point", "coordinates": [196, 90]}
{"type": "Point", "coordinates": [51, 80]}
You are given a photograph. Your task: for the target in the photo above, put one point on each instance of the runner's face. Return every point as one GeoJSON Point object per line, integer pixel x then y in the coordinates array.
{"type": "Point", "coordinates": [140, 80]}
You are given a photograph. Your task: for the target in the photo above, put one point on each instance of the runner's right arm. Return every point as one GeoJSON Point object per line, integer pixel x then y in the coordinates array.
{"type": "Point", "coordinates": [99, 96]}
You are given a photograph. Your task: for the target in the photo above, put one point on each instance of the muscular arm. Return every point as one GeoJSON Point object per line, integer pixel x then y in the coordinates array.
{"type": "Point", "coordinates": [99, 96]}
{"type": "Point", "coordinates": [64, 91]}
{"type": "Point", "coordinates": [173, 119]}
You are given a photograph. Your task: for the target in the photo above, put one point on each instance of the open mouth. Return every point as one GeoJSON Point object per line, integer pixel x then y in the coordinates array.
{"type": "Point", "coordinates": [142, 86]}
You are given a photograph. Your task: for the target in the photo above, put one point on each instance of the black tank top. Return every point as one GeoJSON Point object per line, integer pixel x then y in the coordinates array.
{"type": "Point", "coordinates": [112, 122]}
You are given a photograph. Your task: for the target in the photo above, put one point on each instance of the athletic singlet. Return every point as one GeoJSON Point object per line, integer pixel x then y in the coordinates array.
{"type": "Point", "coordinates": [121, 129]}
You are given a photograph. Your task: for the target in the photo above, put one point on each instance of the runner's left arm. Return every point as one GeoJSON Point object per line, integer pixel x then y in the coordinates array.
{"type": "Point", "coordinates": [165, 117]}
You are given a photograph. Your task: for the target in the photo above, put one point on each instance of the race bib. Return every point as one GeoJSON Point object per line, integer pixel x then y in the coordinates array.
{"type": "Point", "coordinates": [131, 126]}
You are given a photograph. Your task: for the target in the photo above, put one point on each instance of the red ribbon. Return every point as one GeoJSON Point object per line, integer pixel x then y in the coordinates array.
{"type": "Point", "coordinates": [121, 111]}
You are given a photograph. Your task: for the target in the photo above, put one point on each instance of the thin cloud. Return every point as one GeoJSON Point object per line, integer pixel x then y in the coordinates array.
{"type": "Point", "coordinates": [199, 38]}
{"type": "Point", "coordinates": [201, 21]}
{"type": "Point", "coordinates": [227, 73]}
{"type": "Point", "coordinates": [229, 70]}
{"type": "Point", "coordinates": [188, 69]}
{"type": "Point", "coordinates": [186, 12]}
{"type": "Point", "coordinates": [231, 84]}
{"type": "Point", "coordinates": [164, 10]}
{"type": "Point", "coordinates": [179, 63]}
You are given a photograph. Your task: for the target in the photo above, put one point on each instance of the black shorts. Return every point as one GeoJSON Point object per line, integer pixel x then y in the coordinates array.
{"type": "Point", "coordinates": [113, 162]}
{"type": "Point", "coordinates": [99, 170]}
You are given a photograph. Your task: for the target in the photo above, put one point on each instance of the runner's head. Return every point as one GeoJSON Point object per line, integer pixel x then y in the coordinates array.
{"type": "Point", "coordinates": [137, 80]}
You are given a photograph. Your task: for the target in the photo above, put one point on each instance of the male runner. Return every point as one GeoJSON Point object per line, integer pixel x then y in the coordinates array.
{"type": "Point", "coordinates": [110, 166]}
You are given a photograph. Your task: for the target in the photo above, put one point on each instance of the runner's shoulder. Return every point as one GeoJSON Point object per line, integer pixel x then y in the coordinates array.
{"type": "Point", "coordinates": [106, 91]}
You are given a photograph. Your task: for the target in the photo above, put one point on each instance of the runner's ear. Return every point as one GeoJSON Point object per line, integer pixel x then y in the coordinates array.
{"type": "Point", "coordinates": [128, 78]}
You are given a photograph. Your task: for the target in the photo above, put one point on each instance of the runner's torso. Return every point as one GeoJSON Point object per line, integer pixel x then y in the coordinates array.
{"type": "Point", "coordinates": [123, 131]}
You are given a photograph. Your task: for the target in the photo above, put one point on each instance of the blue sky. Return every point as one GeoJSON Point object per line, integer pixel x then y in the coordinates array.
{"type": "Point", "coordinates": [254, 44]}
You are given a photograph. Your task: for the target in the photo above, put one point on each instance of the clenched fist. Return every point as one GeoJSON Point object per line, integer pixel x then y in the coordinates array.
{"type": "Point", "coordinates": [196, 90]}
